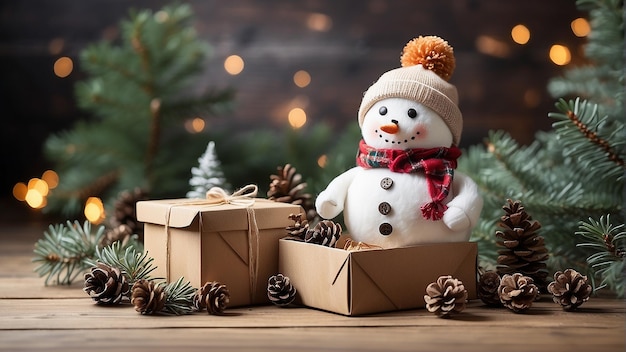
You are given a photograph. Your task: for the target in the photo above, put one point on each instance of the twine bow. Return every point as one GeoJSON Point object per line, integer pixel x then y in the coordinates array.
{"type": "Point", "coordinates": [243, 197]}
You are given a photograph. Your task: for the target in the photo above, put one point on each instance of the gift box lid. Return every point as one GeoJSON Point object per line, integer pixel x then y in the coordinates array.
{"type": "Point", "coordinates": [224, 217]}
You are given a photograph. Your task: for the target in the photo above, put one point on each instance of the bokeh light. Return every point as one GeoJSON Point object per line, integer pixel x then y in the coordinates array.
{"type": "Point", "coordinates": [38, 185]}
{"type": "Point", "coordinates": [319, 22]}
{"type": "Point", "coordinates": [234, 64]}
{"type": "Point", "coordinates": [94, 210]}
{"type": "Point", "coordinates": [19, 191]}
{"type": "Point", "coordinates": [322, 160]}
{"type": "Point", "coordinates": [580, 27]}
{"type": "Point", "coordinates": [51, 178]}
{"type": "Point", "coordinates": [560, 54]}
{"type": "Point", "coordinates": [302, 78]}
{"type": "Point", "coordinates": [520, 34]}
{"type": "Point", "coordinates": [34, 199]}
{"type": "Point", "coordinates": [297, 117]}
{"type": "Point", "coordinates": [63, 67]}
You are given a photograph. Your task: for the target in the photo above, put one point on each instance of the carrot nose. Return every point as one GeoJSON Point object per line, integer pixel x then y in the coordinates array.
{"type": "Point", "coordinates": [391, 128]}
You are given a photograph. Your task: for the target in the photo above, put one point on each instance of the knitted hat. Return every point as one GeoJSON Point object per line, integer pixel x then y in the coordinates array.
{"type": "Point", "coordinates": [427, 64]}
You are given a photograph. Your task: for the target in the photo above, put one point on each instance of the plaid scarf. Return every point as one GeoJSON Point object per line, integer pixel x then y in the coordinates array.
{"type": "Point", "coordinates": [437, 164]}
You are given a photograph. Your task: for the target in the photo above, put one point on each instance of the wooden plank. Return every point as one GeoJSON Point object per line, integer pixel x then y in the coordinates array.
{"type": "Point", "coordinates": [82, 313]}
{"type": "Point", "coordinates": [315, 339]}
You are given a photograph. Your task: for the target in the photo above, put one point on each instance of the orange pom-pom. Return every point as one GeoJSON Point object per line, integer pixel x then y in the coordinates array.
{"type": "Point", "coordinates": [432, 52]}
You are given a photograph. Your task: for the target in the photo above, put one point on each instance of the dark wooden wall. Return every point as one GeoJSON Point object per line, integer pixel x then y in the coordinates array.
{"type": "Point", "coordinates": [272, 36]}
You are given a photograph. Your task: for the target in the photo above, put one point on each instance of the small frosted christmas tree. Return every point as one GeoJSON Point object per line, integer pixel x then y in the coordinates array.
{"type": "Point", "coordinates": [208, 174]}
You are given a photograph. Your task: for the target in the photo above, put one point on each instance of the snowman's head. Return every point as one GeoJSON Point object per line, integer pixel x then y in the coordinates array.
{"type": "Point", "coordinates": [398, 123]}
{"type": "Point", "coordinates": [420, 85]}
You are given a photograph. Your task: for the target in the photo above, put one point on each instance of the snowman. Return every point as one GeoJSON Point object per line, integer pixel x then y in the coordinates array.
{"type": "Point", "coordinates": [404, 190]}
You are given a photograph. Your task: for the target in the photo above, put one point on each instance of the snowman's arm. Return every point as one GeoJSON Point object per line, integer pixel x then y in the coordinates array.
{"type": "Point", "coordinates": [330, 202]}
{"type": "Point", "coordinates": [464, 209]}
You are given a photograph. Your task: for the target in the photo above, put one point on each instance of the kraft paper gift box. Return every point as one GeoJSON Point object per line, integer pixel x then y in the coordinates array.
{"type": "Point", "coordinates": [373, 281]}
{"type": "Point", "coordinates": [233, 244]}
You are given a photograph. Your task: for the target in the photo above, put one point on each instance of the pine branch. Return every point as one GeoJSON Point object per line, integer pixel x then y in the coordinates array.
{"type": "Point", "coordinates": [179, 297]}
{"type": "Point", "coordinates": [131, 262]}
{"type": "Point", "coordinates": [65, 250]}
{"type": "Point", "coordinates": [608, 242]}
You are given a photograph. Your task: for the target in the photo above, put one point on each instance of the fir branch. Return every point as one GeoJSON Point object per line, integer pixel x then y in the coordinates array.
{"type": "Point", "coordinates": [179, 297]}
{"type": "Point", "coordinates": [134, 264]}
{"type": "Point", "coordinates": [594, 138]}
{"type": "Point", "coordinates": [608, 242]}
{"type": "Point", "coordinates": [65, 250]}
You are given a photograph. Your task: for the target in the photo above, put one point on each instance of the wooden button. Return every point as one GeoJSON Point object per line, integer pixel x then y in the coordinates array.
{"type": "Point", "coordinates": [384, 208]}
{"type": "Point", "coordinates": [386, 183]}
{"type": "Point", "coordinates": [385, 229]}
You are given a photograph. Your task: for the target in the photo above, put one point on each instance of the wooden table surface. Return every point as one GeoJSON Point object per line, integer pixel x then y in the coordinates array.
{"type": "Point", "coordinates": [35, 317]}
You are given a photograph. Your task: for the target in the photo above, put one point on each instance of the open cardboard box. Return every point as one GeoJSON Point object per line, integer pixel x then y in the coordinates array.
{"type": "Point", "coordinates": [376, 280]}
{"type": "Point", "coordinates": [214, 243]}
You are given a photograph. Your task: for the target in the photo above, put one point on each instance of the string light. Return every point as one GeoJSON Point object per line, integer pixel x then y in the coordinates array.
{"type": "Point", "coordinates": [94, 210]}
{"type": "Point", "coordinates": [63, 67]}
{"type": "Point", "coordinates": [19, 191]}
{"type": "Point", "coordinates": [51, 178]}
{"type": "Point", "coordinates": [195, 125]}
{"type": "Point", "coordinates": [302, 78]}
{"type": "Point", "coordinates": [560, 54]}
{"type": "Point", "coordinates": [36, 191]}
{"type": "Point", "coordinates": [493, 47]}
{"type": "Point", "coordinates": [319, 22]}
{"type": "Point", "coordinates": [520, 34]}
{"type": "Point", "coordinates": [322, 160]}
{"type": "Point", "coordinates": [580, 27]}
{"type": "Point", "coordinates": [234, 64]}
{"type": "Point", "coordinates": [297, 118]}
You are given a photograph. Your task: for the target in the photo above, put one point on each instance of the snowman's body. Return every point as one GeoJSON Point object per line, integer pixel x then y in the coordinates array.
{"type": "Point", "coordinates": [382, 207]}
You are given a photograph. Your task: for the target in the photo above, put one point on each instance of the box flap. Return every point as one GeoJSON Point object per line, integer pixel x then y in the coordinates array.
{"type": "Point", "coordinates": [387, 285]}
{"type": "Point", "coordinates": [225, 217]}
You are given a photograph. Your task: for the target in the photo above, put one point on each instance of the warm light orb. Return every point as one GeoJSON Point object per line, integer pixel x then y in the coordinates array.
{"type": "Point", "coordinates": [560, 54]}
{"type": "Point", "coordinates": [94, 210]}
{"type": "Point", "coordinates": [319, 22]}
{"type": "Point", "coordinates": [38, 185]}
{"type": "Point", "coordinates": [302, 78]}
{"type": "Point", "coordinates": [520, 34]}
{"type": "Point", "coordinates": [322, 160]}
{"type": "Point", "coordinates": [297, 117]}
{"type": "Point", "coordinates": [580, 27]}
{"type": "Point", "coordinates": [63, 67]}
{"type": "Point", "coordinates": [51, 178]}
{"type": "Point", "coordinates": [19, 191]}
{"type": "Point", "coordinates": [234, 64]}
{"type": "Point", "coordinates": [34, 199]}
{"type": "Point", "coordinates": [197, 124]}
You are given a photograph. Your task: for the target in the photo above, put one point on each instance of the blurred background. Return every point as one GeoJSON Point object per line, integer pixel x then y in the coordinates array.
{"type": "Point", "coordinates": [290, 64]}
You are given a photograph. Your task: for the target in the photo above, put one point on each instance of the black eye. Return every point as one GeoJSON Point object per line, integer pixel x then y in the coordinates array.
{"type": "Point", "coordinates": [412, 113]}
{"type": "Point", "coordinates": [382, 110]}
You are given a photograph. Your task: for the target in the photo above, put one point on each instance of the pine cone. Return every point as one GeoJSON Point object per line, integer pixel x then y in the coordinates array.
{"type": "Point", "coordinates": [122, 233]}
{"type": "Point", "coordinates": [286, 187]}
{"type": "Point", "coordinates": [213, 296]}
{"type": "Point", "coordinates": [488, 288]}
{"type": "Point", "coordinates": [445, 296]}
{"type": "Point", "coordinates": [280, 291]}
{"type": "Point", "coordinates": [124, 212]}
{"type": "Point", "coordinates": [325, 233]}
{"type": "Point", "coordinates": [523, 249]}
{"type": "Point", "coordinates": [106, 285]}
{"type": "Point", "coordinates": [299, 228]}
{"type": "Point", "coordinates": [570, 289]}
{"type": "Point", "coordinates": [517, 292]}
{"type": "Point", "coordinates": [148, 297]}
